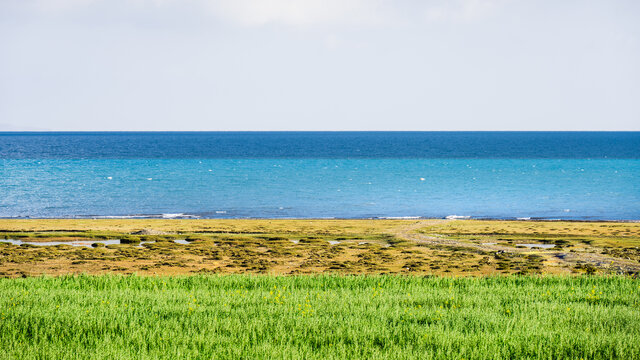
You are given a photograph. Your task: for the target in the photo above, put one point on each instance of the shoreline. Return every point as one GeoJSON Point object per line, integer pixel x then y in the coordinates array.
{"type": "Point", "coordinates": [197, 217]}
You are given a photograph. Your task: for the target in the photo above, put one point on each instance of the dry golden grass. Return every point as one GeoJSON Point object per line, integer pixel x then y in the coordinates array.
{"type": "Point", "coordinates": [572, 228]}
{"type": "Point", "coordinates": [580, 234]}
{"type": "Point", "coordinates": [310, 226]}
{"type": "Point", "coordinates": [305, 247]}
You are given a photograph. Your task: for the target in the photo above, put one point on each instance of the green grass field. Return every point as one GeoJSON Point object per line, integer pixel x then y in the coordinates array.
{"type": "Point", "coordinates": [322, 317]}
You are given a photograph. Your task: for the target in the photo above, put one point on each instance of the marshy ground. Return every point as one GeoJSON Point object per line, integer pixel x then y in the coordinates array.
{"type": "Point", "coordinates": [234, 304]}
{"type": "Point", "coordinates": [437, 247]}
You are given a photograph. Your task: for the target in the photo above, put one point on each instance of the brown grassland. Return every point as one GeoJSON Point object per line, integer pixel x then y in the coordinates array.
{"type": "Point", "coordinates": [434, 247]}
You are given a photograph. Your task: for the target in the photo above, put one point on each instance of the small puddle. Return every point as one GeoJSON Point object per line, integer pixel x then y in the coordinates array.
{"type": "Point", "coordinates": [362, 243]}
{"type": "Point", "coordinates": [85, 243]}
{"type": "Point", "coordinates": [295, 241]}
{"type": "Point", "coordinates": [181, 241]}
{"type": "Point", "coordinates": [541, 246]}
{"type": "Point", "coordinates": [144, 242]}
{"type": "Point", "coordinates": [333, 242]}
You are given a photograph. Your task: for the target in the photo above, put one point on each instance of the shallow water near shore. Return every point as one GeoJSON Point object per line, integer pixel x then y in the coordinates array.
{"type": "Point", "coordinates": [317, 188]}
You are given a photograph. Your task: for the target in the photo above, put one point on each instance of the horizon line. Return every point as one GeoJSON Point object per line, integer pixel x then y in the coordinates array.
{"type": "Point", "coordinates": [294, 131]}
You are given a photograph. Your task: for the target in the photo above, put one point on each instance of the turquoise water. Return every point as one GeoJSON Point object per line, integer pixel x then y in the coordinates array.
{"type": "Point", "coordinates": [321, 188]}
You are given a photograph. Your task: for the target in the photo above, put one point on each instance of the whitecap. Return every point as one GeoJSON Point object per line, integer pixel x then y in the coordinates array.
{"type": "Point", "coordinates": [172, 216]}
{"type": "Point", "coordinates": [457, 217]}
{"type": "Point", "coordinates": [178, 216]}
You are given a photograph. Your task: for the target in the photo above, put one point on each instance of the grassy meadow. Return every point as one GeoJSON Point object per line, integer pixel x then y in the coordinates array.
{"type": "Point", "coordinates": [319, 317]}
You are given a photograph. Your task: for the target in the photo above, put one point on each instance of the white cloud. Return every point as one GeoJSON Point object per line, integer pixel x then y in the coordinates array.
{"type": "Point", "coordinates": [253, 13]}
{"type": "Point", "coordinates": [307, 64]}
{"type": "Point", "coordinates": [247, 12]}
{"type": "Point", "coordinates": [57, 5]}
{"type": "Point", "coordinates": [459, 10]}
{"type": "Point", "coordinates": [300, 13]}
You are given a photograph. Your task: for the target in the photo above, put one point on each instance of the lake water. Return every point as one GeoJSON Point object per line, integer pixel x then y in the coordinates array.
{"type": "Point", "coordinates": [574, 175]}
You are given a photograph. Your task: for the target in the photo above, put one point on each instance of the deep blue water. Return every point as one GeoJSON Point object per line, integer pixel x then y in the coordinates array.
{"type": "Point", "coordinates": [552, 175]}
{"type": "Point", "coordinates": [321, 145]}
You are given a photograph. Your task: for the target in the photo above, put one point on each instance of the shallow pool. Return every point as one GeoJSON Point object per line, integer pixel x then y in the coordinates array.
{"type": "Point", "coordinates": [541, 246]}
{"type": "Point", "coordinates": [85, 243]}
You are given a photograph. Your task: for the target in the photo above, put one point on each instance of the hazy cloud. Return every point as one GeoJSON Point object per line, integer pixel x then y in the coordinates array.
{"type": "Point", "coordinates": [319, 65]}
{"type": "Point", "coordinates": [301, 13]}
{"type": "Point", "coordinates": [298, 12]}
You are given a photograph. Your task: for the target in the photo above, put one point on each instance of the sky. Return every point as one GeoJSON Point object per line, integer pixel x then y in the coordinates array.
{"type": "Point", "coordinates": [120, 65]}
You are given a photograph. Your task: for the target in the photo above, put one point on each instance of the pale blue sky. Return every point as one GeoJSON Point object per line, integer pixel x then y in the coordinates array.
{"type": "Point", "coordinates": [319, 65]}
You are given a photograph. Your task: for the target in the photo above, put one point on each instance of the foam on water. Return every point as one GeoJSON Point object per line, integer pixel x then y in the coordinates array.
{"type": "Point", "coordinates": [457, 217]}
{"type": "Point", "coordinates": [178, 216]}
